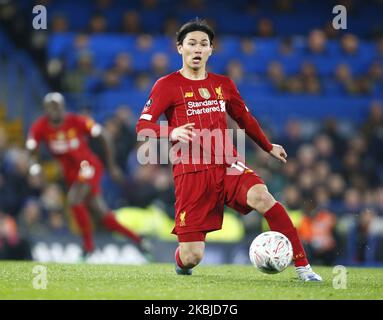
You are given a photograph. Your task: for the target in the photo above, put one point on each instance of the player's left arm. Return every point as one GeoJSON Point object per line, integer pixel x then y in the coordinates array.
{"type": "Point", "coordinates": [96, 130]}
{"type": "Point", "coordinates": [238, 110]}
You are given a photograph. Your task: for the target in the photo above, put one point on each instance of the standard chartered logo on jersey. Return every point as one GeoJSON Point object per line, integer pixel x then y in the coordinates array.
{"type": "Point", "coordinates": [204, 107]}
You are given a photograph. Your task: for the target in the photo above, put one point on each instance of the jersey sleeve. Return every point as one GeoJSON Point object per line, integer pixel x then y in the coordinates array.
{"type": "Point", "coordinates": [88, 126]}
{"type": "Point", "coordinates": [160, 99]}
{"type": "Point", "coordinates": [35, 136]}
{"type": "Point", "coordinates": [238, 110]}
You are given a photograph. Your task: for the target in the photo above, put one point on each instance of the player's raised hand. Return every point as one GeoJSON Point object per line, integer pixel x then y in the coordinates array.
{"type": "Point", "coordinates": [279, 153]}
{"type": "Point", "coordinates": [183, 133]}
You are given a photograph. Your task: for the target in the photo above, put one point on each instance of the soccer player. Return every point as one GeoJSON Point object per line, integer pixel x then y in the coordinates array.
{"type": "Point", "coordinates": [66, 136]}
{"type": "Point", "coordinates": [193, 99]}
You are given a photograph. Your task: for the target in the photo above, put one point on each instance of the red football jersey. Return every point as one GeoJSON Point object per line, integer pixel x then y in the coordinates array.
{"type": "Point", "coordinates": [67, 142]}
{"type": "Point", "coordinates": [204, 103]}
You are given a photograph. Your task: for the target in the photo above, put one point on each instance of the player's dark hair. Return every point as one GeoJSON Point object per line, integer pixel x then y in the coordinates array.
{"type": "Point", "coordinates": [194, 25]}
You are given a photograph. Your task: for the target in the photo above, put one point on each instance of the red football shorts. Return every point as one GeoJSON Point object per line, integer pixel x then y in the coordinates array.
{"type": "Point", "coordinates": [201, 196]}
{"type": "Point", "coordinates": [89, 173]}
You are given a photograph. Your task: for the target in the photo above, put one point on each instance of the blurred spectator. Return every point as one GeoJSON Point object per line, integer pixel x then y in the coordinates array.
{"type": "Point", "coordinates": [336, 186]}
{"type": "Point", "coordinates": [373, 131]}
{"type": "Point", "coordinates": [331, 129]}
{"type": "Point", "coordinates": [31, 220]}
{"type": "Point", "coordinates": [322, 171]}
{"type": "Point", "coordinates": [57, 223]}
{"type": "Point", "coordinates": [292, 198]}
{"type": "Point", "coordinates": [163, 184]}
{"type": "Point", "coordinates": [12, 247]}
{"type": "Point", "coordinates": [171, 26]}
{"type": "Point", "coordinates": [111, 81]}
{"type": "Point", "coordinates": [290, 170]}
{"type": "Point", "coordinates": [352, 202]}
{"type": "Point", "coordinates": [98, 24]}
{"type": "Point", "coordinates": [286, 47]}
{"type": "Point", "coordinates": [59, 24]}
{"type": "Point", "coordinates": [75, 80]}
{"type": "Point", "coordinates": [123, 135]}
{"type": "Point", "coordinates": [234, 70]}
{"type": "Point", "coordinates": [131, 23]}
{"type": "Point", "coordinates": [144, 43]}
{"type": "Point", "coordinates": [15, 188]}
{"type": "Point", "coordinates": [123, 67]}
{"type": "Point", "coordinates": [295, 85]}
{"type": "Point", "coordinates": [150, 4]}
{"type": "Point", "coordinates": [368, 226]}
{"type": "Point", "coordinates": [306, 156]}
{"type": "Point", "coordinates": [265, 28]}
{"type": "Point", "coordinates": [276, 75]}
{"type": "Point", "coordinates": [330, 32]}
{"type": "Point", "coordinates": [248, 46]}
{"type": "Point", "coordinates": [140, 190]}
{"type": "Point", "coordinates": [159, 65]}
{"type": "Point", "coordinates": [313, 86]}
{"type": "Point", "coordinates": [351, 165]}
{"type": "Point", "coordinates": [378, 200]}
{"type": "Point", "coordinates": [52, 198]}
{"type": "Point", "coordinates": [306, 183]}
{"type": "Point", "coordinates": [359, 86]}
{"type": "Point", "coordinates": [317, 42]}
{"type": "Point", "coordinates": [102, 5]}
{"type": "Point", "coordinates": [321, 194]}
{"type": "Point", "coordinates": [194, 5]}
{"type": "Point", "coordinates": [375, 73]}
{"type": "Point", "coordinates": [309, 78]}
{"type": "Point", "coordinates": [379, 47]}
{"type": "Point", "coordinates": [143, 82]}
{"type": "Point", "coordinates": [374, 121]}
{"type": "Point", "coordinates": [325, 150]}
{"type": "Point", "coordinates": [317, 229]}
{"type": "Point", "coordinates": [81, 43]}
{"type": "Point", "coordinates": [343, 74]}
{"type": "Point", "coordinates": [349, 44]}
{"type": "Point", "coordinates": [284, 6]}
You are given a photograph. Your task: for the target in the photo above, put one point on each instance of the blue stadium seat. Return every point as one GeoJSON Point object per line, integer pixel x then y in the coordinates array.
{"type": "Point", "coordinates": [58, 44]}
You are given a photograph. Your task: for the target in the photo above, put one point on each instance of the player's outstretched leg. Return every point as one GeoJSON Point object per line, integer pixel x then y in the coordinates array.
{"type": "Point", "coordinates": [76, 197]}
{"type": "Point", "coordinates": [180, 267]}
{"type": "Point", "coordinates": [188, 255]}
{"type": "Point", "coordinates": [82, 218]}
{"type": "Point", "coordinates": [278, 219]}
{"type": "Point", "coordinates": [110, 222]}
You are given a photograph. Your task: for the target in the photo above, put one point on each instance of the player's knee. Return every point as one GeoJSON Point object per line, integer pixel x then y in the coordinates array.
{"type": "Point", "coordinates": [192, 257]}
{"type": "Point", "coordinates": [261, 200]}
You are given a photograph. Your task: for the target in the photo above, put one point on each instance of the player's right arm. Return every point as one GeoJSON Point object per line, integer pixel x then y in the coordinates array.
{"type": "Point", "coordinates": [159, 101]}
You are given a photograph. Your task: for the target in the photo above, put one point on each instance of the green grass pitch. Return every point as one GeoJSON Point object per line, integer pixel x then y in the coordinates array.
{"type": "Point", "coordinates": [159, 282]}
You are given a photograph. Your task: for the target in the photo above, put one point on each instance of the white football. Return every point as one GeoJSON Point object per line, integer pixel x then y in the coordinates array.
{"type": "Point", "coordinates": [271, 252]}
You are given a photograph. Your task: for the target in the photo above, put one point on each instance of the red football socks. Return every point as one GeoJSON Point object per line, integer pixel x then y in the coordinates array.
{"type": "Point", "coordinates": [279, 220]}
{"type": "Point", "coordinates": [111, 223]}
{"type": "Point", "coordinates": [178, 259]}
{"type": "Point", "coordinates": [81, 215]}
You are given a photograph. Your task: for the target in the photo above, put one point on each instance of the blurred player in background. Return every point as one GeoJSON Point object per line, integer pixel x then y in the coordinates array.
{"type": "Point", "coordinates": [66, 136]}
{"type": "Point", "coordinates": [191, 99]}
